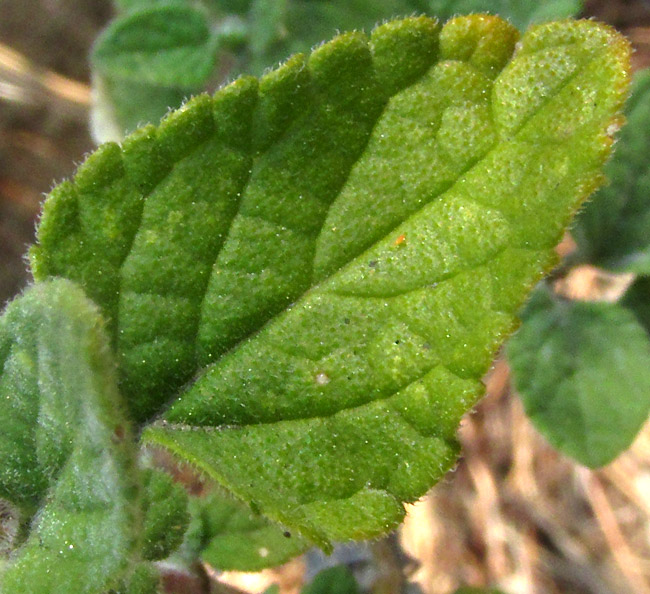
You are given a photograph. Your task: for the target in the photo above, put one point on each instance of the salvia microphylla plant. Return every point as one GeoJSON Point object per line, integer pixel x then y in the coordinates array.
{"type": "Point", "coordinates": [293, 286]}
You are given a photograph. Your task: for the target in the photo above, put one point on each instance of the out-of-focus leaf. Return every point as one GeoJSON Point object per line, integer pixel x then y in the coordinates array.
{"type": "Point", "coordinates": [167, 45]}
{"type": "Point", "coordinates": [342, 247]}
{"type": "Point", "coordinates": [66, 444]}
{"type": "Point", "coordinates": [228, 536]}
{"type": "Point", "coordinates": [583, 373]}
{"type": "Point", "coordinates": [522, 13]}
{"type": "Point", "coordinates": [335, 580]}
{"type": "Point", "coordinates": [613, 231]}
{"type": "Point", "coordinates": [149, 60]}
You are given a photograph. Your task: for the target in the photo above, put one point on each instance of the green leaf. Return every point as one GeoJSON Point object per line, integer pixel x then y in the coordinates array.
{"type": "Point", "coordinates": [166, 45]}
{"type": "Point", "coordinates": [342, 247]}
{"type": "Point", "coordinates": [614, 229]}
{"type": "Point", "coordinates": [147, 61]}
{"type": "Point", "coordinates": [583, 373]}
{"type": "Point", "coordinates": [521, 13]}
{"type": "Point", "coordinates": [335, 580]}
{"type": "Point", "coordinates": [166, 516]}
{"type": "Point", "coordinates": [65, 442]}
{"type": "Point", "coordinates": [225, 534]}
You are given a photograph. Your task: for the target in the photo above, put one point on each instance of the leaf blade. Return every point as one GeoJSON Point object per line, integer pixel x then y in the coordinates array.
{"type": "Point", "coordinates": [350, 345]}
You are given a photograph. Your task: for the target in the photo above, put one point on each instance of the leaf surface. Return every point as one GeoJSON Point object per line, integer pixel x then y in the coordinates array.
{"type": "Point", "coordinates": [64, 443]}
{"type": "Point", "coordinates": [613, 231]}
{"type": "Point", "coordinates": [342, 246]}
{"type": "Point", "coordinates": [583, 373]}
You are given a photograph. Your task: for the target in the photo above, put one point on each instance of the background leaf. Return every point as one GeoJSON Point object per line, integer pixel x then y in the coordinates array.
{"type": "Point", "coordinates": [380, 212]}
{"type": "Point", "coordinates": [65, 443]}
{"type": "Point", "coordinates": [149, 59]}
{"type": "Point", "coordinates": [583, 373]}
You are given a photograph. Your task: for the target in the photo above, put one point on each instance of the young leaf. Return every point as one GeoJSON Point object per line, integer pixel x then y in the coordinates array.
{"type": "Point", "coordinates": [521, 13]}
{"type": "Point", "coordinates": [345, 245]}
{"type": "Point", "coordinates": [583, 373]}
{"type": "Point", "coordinates": [613, 231]}
{"type": "Point", "coordinates": [225, 534]}
{"type": "Point", "coordinates": [335, 580]}
{"type": "Point", "coordinates": [65, 442]}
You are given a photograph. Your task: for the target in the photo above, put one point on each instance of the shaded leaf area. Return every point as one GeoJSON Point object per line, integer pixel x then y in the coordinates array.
{"type": "Point", "coordinates": [583, 373]}
{"type": "Point", "coordinates": [521, 13]}
{"type": "Point", "coordinates": [228, 536]}
{"type": "Point", "coordinates": [613, 231]}
{"type": "Point", "coordinates": [66, 445]}
{"type": "Point", "coordinates": [380, 211]}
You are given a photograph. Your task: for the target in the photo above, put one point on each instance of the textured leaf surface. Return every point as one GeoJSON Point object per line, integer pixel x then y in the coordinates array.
{"type": "Point", "coordinates": [225, 534]}
{"type": "Point", "coordinates": [65, 443]}
{"type": "Point", "coordinates": [583, 373]}
{"type": "Point", "coordinates": [345, 245]}
{"type": "Point", "coordinates": [522, 13]}
{"type": "Point", "coordinates": [614, 229]}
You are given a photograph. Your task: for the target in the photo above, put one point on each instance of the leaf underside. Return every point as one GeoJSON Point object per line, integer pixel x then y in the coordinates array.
{"type": "Point", "coordinates": [64, 446]}
{"type": "Point", "coordinates": [334, 253]}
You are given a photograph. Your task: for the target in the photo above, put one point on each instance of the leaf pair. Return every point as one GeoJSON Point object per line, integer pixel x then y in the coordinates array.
{"type": "Point", "coordinates": [332, 255]}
